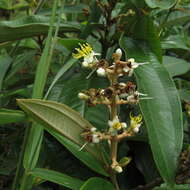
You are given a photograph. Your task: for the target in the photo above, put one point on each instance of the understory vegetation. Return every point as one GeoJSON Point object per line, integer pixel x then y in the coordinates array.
{"type": "Point", "coordinates": [95, 94]}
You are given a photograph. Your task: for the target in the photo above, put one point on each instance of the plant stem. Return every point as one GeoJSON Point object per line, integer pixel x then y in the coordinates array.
{"type": "Point", "coordinates": [114, 141]}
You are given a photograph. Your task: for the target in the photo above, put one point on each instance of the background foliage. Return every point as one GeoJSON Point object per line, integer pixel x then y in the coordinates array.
{"type": "Point", "coordinates": [36, 42]}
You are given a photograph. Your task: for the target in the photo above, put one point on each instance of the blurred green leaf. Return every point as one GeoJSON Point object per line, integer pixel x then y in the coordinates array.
{"type": "Point", "coordinates": [165, 136]}
{"type": "Point", "coordinates": [146, 30]}
{"type": "Point", "coordinates": [175, 42]}
{"type": "Point", "coordinates": [97, 183]}
{"type": "Point", "coordinates": [58, 178]}
{"type": "Point", "coordinates": [70, 43]}
{"type": "Point", "coordinates": [166, 4]}
{"type": "Point", "coordinates": [184, 94]}
{"type": "Point", "coordinates": [176, 187]}
{"type": "Point", "coordinates": [177, 17]}
{"type": "Point", "coordinates": [5, 62]}
{"type": "Point", "coordinates": [11, 116]}
{"type": "Point", "coordinates": [30, 26]}
{"type": "Point", "coordinates": [176, 66]}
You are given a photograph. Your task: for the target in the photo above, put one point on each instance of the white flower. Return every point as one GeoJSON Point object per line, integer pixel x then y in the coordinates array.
{"type": "Point", "coordinates": [135, 122]}
{"type": "Point", "coordinates": [101, 72]}
{"type": "Point", "coordinates": [116, 124]}
{"type": "Point", "coordinates": [87, 53]}
{"type": "Point", "coordinates": [133, 65]}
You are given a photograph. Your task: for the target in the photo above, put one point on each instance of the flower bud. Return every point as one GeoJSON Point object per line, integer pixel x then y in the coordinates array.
{"type": "Point", "coordinates": [85, 64]}
{"type": "Point", "coordinates": [132, 60]}
{"type": "Point", "coordinates": [93, 129]}
{"type": "Point", "coordinates": [95, 138]}
{"type": "Point", "coordinates": [118, 52]}
{"type": "Point", "coordinates": [136, 129]}
{"type": "Point", "coordinates": [118, 169]}
{"type": "Point", "coordinates": [101, 72]}
{"type": "Point", "coordinates": [83, 96]}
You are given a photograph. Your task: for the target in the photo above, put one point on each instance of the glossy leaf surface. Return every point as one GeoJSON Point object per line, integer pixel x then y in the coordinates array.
{"type": "Point", "coordinates": [162, 113]}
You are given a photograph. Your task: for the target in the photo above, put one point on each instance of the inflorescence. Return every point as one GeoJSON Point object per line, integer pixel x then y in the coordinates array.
{"type": "Point", "coordinates": [116, 94]}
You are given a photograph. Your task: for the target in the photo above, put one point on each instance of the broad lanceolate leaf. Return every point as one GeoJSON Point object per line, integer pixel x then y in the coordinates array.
{"type": "Point", "coordinates": [97, 183]}
{"type": "Point", "coordinates": [162, 113]}
{"type": "Point", "coordinates": [56, 177]}
{"type": "Point", "coordinates": [11, 116]}
{"type": "Point", "coordinates": [28, 27]}
{"type": "Point", "coordinates": [62, 121]}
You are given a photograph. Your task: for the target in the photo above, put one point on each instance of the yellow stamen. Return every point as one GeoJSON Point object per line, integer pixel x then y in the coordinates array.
{"type": "Point", "coordinates": [117, 126]}
{"type": "Point", "coordinates": [136, 119]}
{"type": "Point", "coordinates": [84, 51]}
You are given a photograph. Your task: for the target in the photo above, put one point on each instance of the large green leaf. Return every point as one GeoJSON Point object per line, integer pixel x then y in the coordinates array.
{"type": "Point", "coordinates": [162, 114]}
{"type": "Point", "coordinates": [29, 26]}
{"type": "Point", "coordinates": [176, 66]}
{"type": "Point", "coordinates": [11, 116]}
{"type": "Point", "coordinates": [62, 121]}
{"type": "Point", "coordinates": [97, 183]}
{"type": "Point", "coordinates": [162, 4]}
{"type": "Point", "coordinates": [57, 177]}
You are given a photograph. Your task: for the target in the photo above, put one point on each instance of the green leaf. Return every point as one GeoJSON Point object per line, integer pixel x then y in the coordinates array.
{"type": "Point", "coordinates": [64, 69]}
{"type": "Point", "coordinates": [178, 17]}
{"type": "Point", "coordinates": [84, 156]}
{"type": "Point", "coordinates": [70, 43]}
{"type": "Point", "coordinates": [162, 114]}
{"type": "Point", "coordinates": [146, 30]}
{"type": "Point", "coordinates": [97, 183]}
{"type": "Point", "coordinates": [30, 26]}
{"type": "Point", "coordinates": [11, 116]}
{"type": "Point", "coordinates": [184, 94]}
{"type": "Point", "coordinates": [176, 187]}
{"type": "Point", "coordinates": [162, 4]}
{"type": "Point", "coordinates": [175, 42]}
{"type": "Point", "coordinates": [176, 66]}
{"type": "Point", "coordinates": [5, 62]}
{"type": "Point", "coordinates": [57, 177]}
{"type": "Point", "coordinates": [61, 120]}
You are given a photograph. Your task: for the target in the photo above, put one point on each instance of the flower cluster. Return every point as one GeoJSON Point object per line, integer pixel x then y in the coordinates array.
{"type": "Point", "coordinates": [103, 69]}
{"type": "Point", "coordinates": [126, 92]}
{"type": "Point", "coordinates": [114, 95]}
